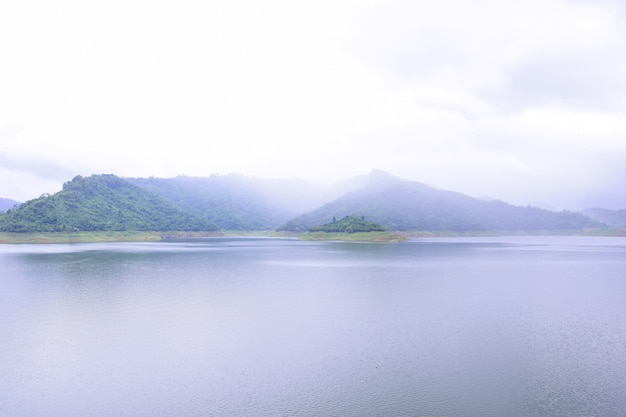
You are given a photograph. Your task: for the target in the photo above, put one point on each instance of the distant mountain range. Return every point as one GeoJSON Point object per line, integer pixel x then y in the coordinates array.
{"type": "Point", "coordinates": [235, 202]}
{"type": "Point", "coordinates": [7, 203]}
{"type": "Point", "coordinates": [612, 218]}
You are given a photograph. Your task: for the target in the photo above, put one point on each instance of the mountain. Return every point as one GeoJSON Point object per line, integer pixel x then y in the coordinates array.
{"type": "Point", "coordinates": [7, 203]}
{"type": "Point", "coordinates": [100, 203]}
{"type": "Point", "coordinates": [612, 218]}
{"type": "Point", "coordinates": [408, 205]}
{"type": "Point", "coordinates": [235, 202]}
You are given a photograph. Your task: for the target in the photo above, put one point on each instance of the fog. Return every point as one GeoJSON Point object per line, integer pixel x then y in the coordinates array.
{"type": "Point", "coordinates": [519, 101]}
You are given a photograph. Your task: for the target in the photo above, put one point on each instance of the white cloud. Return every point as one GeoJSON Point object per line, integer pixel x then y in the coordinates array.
{"type": "Point", "coordinates": [518, 101]}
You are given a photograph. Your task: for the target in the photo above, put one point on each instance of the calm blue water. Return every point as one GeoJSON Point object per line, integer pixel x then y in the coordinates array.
{"type": "Point", "coordinates": [524, 326]}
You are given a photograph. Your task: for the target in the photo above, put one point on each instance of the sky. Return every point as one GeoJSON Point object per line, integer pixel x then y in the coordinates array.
{"type": "Point", "coordinates": [522, 101]}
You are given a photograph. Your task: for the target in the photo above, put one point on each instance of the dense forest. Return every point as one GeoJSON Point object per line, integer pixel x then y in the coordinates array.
{"type": "Point", "coordinates": [100, 203]}
{"type": "Point", "coordinates": [349, 224]}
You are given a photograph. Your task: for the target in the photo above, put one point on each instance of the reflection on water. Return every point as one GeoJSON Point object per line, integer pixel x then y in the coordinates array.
{"type": "Point", "coordinates": [253, 327]}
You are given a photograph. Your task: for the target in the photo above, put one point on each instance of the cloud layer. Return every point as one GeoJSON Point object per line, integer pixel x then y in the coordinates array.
{"type": "Point", "coordinates": [518, 101]}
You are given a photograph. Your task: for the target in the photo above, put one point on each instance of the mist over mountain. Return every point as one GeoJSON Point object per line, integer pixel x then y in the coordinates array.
{"type": "Point", "coordinates": [236, 202]}
{"type": "Point", "coordinates": [613, 218]}
{"type": "Point", "coordinates": [376, 179]}
{"type": "Point", "coordinates": [409, 205]}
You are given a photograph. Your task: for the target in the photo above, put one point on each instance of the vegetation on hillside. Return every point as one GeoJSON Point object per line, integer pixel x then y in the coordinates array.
{"type": "Point", "coordinates": [235, 202]}
{"type": "Point", "coordinates": [100, 203]}
{"type": "Point", "coordinates": [349, 224]}
{"type": "Point", "coordinates": [414, 206]}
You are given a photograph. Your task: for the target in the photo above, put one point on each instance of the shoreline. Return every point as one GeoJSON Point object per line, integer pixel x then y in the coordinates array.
{"type": "Point", "coordinates": [94, 237]}
{"type": "Point", "coordinates": [395, 236]}
{"type": "Point", "coordinates": [382, 237]}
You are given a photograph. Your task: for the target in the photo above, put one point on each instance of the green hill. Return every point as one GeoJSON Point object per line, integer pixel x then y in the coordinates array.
{"type": "Point", "coordinates": [406, 205]}
{"type": "Point", "coordinates": [100, 203]}
{"type": "Point", "coordinates": [235, 202]}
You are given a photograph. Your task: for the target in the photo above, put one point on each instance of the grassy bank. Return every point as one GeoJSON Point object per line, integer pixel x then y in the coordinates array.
{"type": "Point", "coordinates": [358, 237]}
{"type": "Point", "coordinates": [86, 237]}
{"type": "Point", "coordinates": [260, 233]}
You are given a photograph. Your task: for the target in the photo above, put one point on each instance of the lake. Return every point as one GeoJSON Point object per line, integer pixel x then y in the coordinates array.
{"type": "Point", "coordinates": [498, 326]}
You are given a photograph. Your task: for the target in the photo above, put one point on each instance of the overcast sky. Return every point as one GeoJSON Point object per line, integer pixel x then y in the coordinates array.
{"type": "Point", "coordinates": [523, 101]}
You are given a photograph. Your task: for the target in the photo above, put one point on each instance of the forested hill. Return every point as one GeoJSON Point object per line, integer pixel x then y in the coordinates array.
{"type": "Point", "coordinates": [7, 203]}
{"type": "Point", "coordinates": [100, 203]}
{"type": "Point", "coordinates": [408, 205]}
{"type": "Point", "coordinates": [236, 202]}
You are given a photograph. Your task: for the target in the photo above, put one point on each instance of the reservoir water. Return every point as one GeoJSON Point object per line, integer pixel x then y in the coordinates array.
{"type": "Point", "coordinates": [506, 327]}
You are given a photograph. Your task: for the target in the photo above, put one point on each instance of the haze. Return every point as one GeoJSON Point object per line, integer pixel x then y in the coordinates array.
{"type": "Point", "coordinates": [520, 101]}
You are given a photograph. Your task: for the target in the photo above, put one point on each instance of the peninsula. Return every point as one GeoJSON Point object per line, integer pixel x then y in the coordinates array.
{"type": "Point", "coordinates": [352, 228]}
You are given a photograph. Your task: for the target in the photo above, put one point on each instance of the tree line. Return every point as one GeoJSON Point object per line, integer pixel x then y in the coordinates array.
{"type": "Point", "coordinates": [349, 224]}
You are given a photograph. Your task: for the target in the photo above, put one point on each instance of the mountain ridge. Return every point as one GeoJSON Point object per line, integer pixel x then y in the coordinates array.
{"type": "Point", "coordinates": [410, 205]}
{"type": "Point", "coordinates": [235, 202]}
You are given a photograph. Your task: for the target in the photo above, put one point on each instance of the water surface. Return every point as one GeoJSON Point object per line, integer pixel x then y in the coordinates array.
{"type": "Point", "coordinates": [520, 326]}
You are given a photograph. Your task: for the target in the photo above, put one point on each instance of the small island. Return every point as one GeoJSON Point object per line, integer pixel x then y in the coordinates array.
{"type": "Point", "coordinates": [352, 228]}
